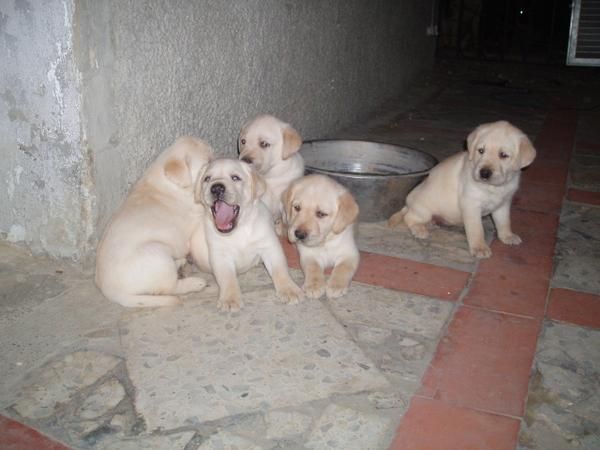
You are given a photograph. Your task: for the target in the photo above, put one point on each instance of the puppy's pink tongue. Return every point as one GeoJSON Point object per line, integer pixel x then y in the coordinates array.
{"type": "Point", "coordinates": [224, 215]}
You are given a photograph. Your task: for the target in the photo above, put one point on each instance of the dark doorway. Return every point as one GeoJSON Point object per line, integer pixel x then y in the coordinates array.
{"type": "Point", "coordinates": [534, 31]}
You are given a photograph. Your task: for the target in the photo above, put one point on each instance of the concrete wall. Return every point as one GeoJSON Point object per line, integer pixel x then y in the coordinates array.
{"type": "Point", "coordinates": [44, 172]}
{"type": "Point", "coordinates": [149, 71]}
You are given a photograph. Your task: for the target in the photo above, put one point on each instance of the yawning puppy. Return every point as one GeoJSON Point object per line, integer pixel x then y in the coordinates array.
{"type": "Point", "coordinates": [148, 237]}
{"type": "Point", "coordinates": [271, 146]}
{"type": "Point", "coordinates": [238, 232]}
{"type": "Point", "coordinates": [320, 214]}
{"type": "Point", "coordinates": [466, 186]}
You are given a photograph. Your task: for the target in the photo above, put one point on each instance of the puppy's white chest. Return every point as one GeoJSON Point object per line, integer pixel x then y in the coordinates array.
{"type": "Point", "coordinates": [490, 198]}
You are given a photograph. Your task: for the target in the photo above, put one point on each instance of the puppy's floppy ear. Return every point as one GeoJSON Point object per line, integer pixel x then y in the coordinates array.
{"type": "Point", "coordinates": [526, 151]}
{"type": "Point", "coordinates": [178, 172]}
{"type": "Point", "coordinates": [472, 140]}
{"type": "Point", "coordinates": [291, 141]}
{"type": "Point", "coordinates": [286, 199]}
{"type": "Point", "coordinates": [346, 214]}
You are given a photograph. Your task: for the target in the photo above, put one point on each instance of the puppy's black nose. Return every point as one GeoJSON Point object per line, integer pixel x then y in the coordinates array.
{"type": "Point", "coordinates": [300, 234]}
{"type": "Point", "coordinates": [217, 189]}
{"type": "Point", "coordinates": [485, 173]}
{"type": "Point", "coordinates": [247, 159]}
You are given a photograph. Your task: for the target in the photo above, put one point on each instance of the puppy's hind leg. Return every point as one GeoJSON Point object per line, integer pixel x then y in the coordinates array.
{"type": "Point", "coordinates": [417, 221]}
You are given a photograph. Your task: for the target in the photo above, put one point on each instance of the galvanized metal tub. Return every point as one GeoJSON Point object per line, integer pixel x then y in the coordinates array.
{"type": "Point", "coordinates": [379, 176]}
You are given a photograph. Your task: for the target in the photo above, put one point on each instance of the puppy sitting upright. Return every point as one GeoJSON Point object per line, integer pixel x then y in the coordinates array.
{"type": "Point", "coordinates": [466, 186]}
{"type": "Point", "coordinates": [271, 146]}
{"type": "Point", "coordinates": [237, 232]}
{"type": "Point", "coordinates": [148, 237]}
{"type": "Point", "coordinates": [320, 214]}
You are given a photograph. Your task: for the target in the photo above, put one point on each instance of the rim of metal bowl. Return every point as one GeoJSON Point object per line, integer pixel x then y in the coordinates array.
{"type": "Point", "coordinates": [433, 159]}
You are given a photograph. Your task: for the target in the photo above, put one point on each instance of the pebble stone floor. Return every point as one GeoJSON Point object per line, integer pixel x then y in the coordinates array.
{"type": "Point", "coordinates": [430, 349]}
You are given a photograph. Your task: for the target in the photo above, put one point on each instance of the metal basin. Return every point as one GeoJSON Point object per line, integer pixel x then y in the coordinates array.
{"type": "Point", "coordinates": [378, 175]}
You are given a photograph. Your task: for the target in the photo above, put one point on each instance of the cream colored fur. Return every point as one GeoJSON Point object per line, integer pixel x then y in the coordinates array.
{"type": "Point", "coordinates": [469, 185]}
{"type": "Point", "coordinates": [148, 237]}
{"type": "Point", "coordinates": [321, 214]}
{"type": "Point", "coordinates": [251, 240]}
{"type": "Point", "coordinates": [271, 146]}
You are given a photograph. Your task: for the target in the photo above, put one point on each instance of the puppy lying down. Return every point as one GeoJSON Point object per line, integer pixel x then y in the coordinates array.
{"type": "Point", "coordinates": [320, 215]}
{"type": "Point", "coordinates": [237, 232]}
{"type": "Point", "coordinates": [148, 237]}
{"type": "Point", "coordinates": [468, 185]}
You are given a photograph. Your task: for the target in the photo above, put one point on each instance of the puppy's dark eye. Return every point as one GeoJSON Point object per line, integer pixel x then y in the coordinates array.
{"type": "Point", "coordinates": [297, 207]}
{"type": "Point", "coordinates": [503, 155]}
{"type": "Point", "coordinates": [481, 150]}
{"type": "Point", "coordinates": [243, 141]}
{"type": "Point", "coordinates": [207, 178]}
{"type": "Point", "coordinates": [264, 144]}
{"type": "Point", "coordinates": [235, 178]}
{"type": "Point", "coordinates": [321, 214]}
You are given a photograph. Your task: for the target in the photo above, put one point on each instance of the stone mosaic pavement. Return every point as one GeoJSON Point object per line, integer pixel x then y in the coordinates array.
{"type": "Point", "coordinates": [430, 349]}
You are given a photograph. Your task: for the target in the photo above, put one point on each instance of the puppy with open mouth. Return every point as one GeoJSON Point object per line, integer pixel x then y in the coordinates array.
{"type": "Point", "coordinates": [468, 185]}
{"type": "Point", "coordinates": [237, 232]}
{"type": "Point", "coordinates": [272, 146]}
{"type": "Point", "coordinates": [320, 214]}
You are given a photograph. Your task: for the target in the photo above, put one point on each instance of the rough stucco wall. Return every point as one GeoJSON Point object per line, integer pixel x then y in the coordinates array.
{"type": "Point", "coordinates": [204, 67]}
{"type": "Point", "coordinates": [44, 198]}
{"type": "Point", "coordinates": [92, 90]}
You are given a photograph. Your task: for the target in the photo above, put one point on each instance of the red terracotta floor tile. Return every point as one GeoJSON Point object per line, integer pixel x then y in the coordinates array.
{"type": "Point", "coordinates": [546, 171]}
{"type": "Point", "coordinates": [540, 197]}
{"type": "Point", "coordinates": [401, 274]}
{"type": "Point", "coordinates": [557, 136]}
{"type": "Point", "coordinates": [411, 276]}
{"type": "Point", "coordinates": [579, 196]}
{"type": "Point", "coordinates": [574, 307]}
{"type": "Point", "coordinates": [16, 436]}
{"type": "Point", "coordinates": [433, 425]}
{"type": "Point", "coordinates": [483, 362]}
{"type": "Point", "coordinates": [538, 233]}
{"type": "Point", "coordinates": [534, 225]}
{"type": "Point", "coordinates": [515, 279]}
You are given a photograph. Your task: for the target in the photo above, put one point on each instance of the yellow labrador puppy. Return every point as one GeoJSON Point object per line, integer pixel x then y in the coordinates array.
{"type": "Point", "coordinates": [466, 186]}
{"type": "Point", "coordinates": [320, 214]}
{"type": "Point", "coordinates": [271, 146]}
{"type": "Point", "coordinates": [238, 232]}
{"type": "Point", "coordinates": [148, 237]}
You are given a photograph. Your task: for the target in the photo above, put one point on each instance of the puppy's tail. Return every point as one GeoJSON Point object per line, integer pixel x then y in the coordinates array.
{"type": "Point", "coordinates": [397, 218]}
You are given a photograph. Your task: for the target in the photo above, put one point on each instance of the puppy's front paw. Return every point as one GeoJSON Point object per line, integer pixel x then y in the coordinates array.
{"type": "Point", "coordinates": [419, 231]}
{"type": "Point", "coordinates": [481, 251]}
{"type": "Point", "coordinates": [230, 303]}
{"type": "Point", "coordinates": [314, 289]}
{"type": "Point", "coordinates": [510, 239]}
{"type": "Point", "coordinates": [290, 293]}
{"type": "Point", "coordinates": [335, 289]}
